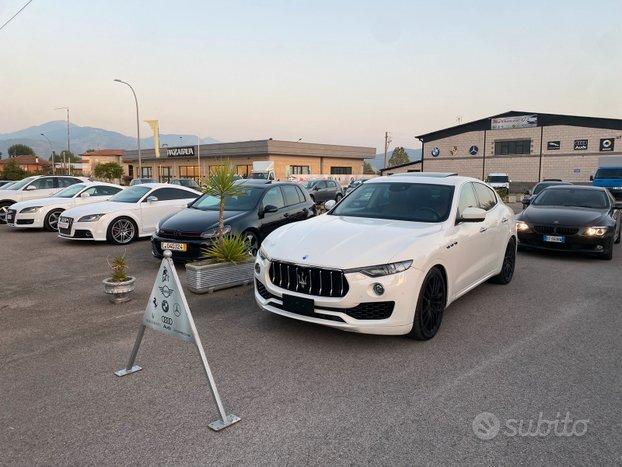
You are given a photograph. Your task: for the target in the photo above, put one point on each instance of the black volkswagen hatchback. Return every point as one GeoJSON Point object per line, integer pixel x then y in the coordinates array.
{"type": "Point", "coordinates": [571, 218]}
{"type": "Point", "coordinates": [257, 211]}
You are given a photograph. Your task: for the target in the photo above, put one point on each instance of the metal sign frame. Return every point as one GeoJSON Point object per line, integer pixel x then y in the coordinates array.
{"type": "Point", "coordinates": [131, 367]}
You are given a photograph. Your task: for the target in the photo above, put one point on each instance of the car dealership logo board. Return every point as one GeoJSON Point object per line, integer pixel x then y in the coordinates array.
{"type": "Point", "coordinates": [168, 312]}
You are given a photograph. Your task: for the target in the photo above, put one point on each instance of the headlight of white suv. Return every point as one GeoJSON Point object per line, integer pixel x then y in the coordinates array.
{"type": "Point", "coordinates": [91, 218]}
{"type": "Point", "coordinates": [383, 269]}
{"type": "Point", "coordinates": [211, 233]}
{"type": "Point", "coordinates": [30, 209]}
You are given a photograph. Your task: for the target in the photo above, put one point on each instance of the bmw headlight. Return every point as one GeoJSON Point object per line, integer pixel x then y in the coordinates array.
{"type": "Point", "coordinates": [383, 269]}
{"type": "Point", "coordinates": [522, 226]}
{"type": "Point", "coordinates": [91, 218]}
{"type": "Point", "coordinates": [213, 232]}
{"type": "Point", "coordinates": [30, 209]}
{"type": "Point", "coordinates": [595, 231]}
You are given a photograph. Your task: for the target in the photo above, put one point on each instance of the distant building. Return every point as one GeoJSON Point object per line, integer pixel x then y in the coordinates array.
{"type": "Point", "coordinates": [100, 156]}
{"type": "Point", "coordinates": [528, 146]}
{"type": "Point", "coordinates": [31, 164]}
{"type": "Point", "coordinates": [289, 157]}
{"type": "Point", "coordinates": [402, 168]}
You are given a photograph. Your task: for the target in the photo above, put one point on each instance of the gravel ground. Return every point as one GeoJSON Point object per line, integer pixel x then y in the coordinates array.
{"type": "Point", "coordinates": [546, 345]}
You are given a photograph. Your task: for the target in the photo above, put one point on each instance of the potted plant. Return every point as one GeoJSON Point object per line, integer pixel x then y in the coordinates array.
{"type": "Point", "coordinates": [227, 261]}
{"type": "Point", "coordinates": [119, 286]}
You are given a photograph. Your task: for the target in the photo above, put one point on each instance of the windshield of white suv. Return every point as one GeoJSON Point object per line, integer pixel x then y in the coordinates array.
{"type": "Point", "coordinates": [575, 197]}
{"type": "Point", "coordinates": [70, 191]}
{"type": "Point", "coordinates": [415, 202]}
{"type": "Point", "coordinates": [131, 195]}
{"type": "Point", "coordinates": [21, 183]}
{"type": "Point", "coordinates": [246, 200]}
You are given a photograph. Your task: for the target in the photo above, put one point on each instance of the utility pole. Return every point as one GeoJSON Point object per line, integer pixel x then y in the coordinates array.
{"type": "Point", "coordinates": [53, 154]}
{"type": "Point", "coordinates": [387, 141]}
{"type": "Point", "coordinates": [68, 147]}
{"type": "Point", "coordinates": [199, 157]}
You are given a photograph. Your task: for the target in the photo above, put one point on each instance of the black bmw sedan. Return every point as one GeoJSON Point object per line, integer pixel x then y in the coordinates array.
{"type": "Point", "coordinates": [259, 209]}
{"type": "Point", "coordinates": [571, 218]}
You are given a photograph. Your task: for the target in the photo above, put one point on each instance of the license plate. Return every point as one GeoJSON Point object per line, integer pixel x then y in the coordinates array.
{"type": "Point", "coordinates": [173, 246]}
{"type": "Point", "coordinates": [63, 225]}
{"type": "Point", "coordinates": [554, 239]}
{"type": "Point", "coordinates": [299, 305]}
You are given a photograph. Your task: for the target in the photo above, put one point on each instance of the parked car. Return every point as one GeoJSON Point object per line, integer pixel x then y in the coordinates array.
{"type": "Point", "coordinates": [259, 209]}
{"type": "Point", "coordinates": [140, 181]}
{"type": "Point", "coordinates": [610, 177]}
{"type": "Point", "coordinates": [390, 257]}
{"type": "Point", "coordinates": [4, 183]}
{"type": "Point", "coordinates": [44, 212]}
{"type": "Point", "coordinates": [571, 218]}
{"type": "Point", "coordinates": [131, 213]}
{"type": "Point", "coordinates": [323, 190]}
{"type": "Point", "coordinates": [499, 181]}
{"type": "Point", "coordinates": [34, 187]}
{"type": "Point", "coordinates": [187, 182]}
{"type": "Point", "coordinates": [354, 184]}
{"type": "Point", "coordinates": [535, 191]}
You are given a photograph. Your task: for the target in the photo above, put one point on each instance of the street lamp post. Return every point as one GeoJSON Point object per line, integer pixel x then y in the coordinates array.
{"type": "Point", "coordinates": [52, 153]}
{"type": "Point", "coordinates": [68, 148]}
{"type": "Point", "coordinates": [140, 160]}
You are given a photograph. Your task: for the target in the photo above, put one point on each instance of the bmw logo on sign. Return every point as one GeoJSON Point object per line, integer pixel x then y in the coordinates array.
{"type": "Point", "coordinates": [473, 150]}
{"type": "Point", "coordinates": [435, 152]}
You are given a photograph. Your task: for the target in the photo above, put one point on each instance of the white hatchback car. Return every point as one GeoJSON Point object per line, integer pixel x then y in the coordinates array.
{"type": "Point", "coordinates": [35, 187]}
{"type": "Point", "coordinates": [390, 257]}
{"type": "Point", "coordinates": [131, 213]}
{"type": "Point", "coordinates": [44, 212]}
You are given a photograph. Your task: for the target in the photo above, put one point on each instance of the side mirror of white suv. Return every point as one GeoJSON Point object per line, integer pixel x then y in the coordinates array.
{"type": "Point", "coordinates": [472, 215]}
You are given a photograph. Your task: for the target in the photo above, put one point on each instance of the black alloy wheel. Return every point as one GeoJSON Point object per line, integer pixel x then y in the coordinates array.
{"type": "Point", "coordinates": [4, 208]}
{"type": "Point", "coordinates": [509, 263]}
{"type": "Point", "coordinates": [430, 306]}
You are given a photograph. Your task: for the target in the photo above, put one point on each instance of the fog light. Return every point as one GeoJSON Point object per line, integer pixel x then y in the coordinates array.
{"type": "Point", "coordinates": [378, 289]}
{"type": "Point", "coordinates": [599, 247]}
{"type": "Point", "coordinates": [257, 268]}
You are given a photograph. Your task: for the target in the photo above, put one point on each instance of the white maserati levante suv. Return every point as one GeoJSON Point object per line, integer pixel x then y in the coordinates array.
{"type": "Point", "coordinates": [390, 257]}
{"type": "Point", "coordinates": [44, 212]}
{"type": "Point", "coordinates": [131, 213]}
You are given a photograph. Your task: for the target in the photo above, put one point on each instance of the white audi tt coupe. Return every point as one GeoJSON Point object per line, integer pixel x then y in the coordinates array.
{"type": "Point", "coordinates": [390, 257]}
{"type": "Point", "coordinates": [131, 213]}
{"type": "Point", "coordinates": [44, 212]}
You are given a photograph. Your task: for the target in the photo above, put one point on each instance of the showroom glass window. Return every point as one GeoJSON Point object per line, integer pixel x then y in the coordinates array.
{"type": "Point", "coordinates": [274, 197]}
{"type": "Point", "coordinates": [415, 202]}
{"type": "Point", "coordinates": [146, 172]}
{"type": "Point", "coordinates": [189, 171]}
{"type": "Point", "coordinates": [511, 147]}
{"type": "Point", "coordinates": [166, 173]}
{"type": "Point", "coordinates": [341, 170]}
{"type": "Point", "coordinates": [467, 198]}
{"type": "Point", "coordinates": [486, 196]}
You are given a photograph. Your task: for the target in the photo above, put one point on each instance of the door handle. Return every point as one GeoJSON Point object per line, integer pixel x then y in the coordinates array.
{"type": "Point", "coordinates": [286, 215]}
{"type": "Point", "coordinates": [483, 229]}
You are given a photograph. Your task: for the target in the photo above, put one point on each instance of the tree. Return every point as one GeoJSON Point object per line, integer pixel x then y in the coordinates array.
{"type": "Point", "coordinates": [108, 171]}
{"type": "Point", "coordinates": [12, 170]}
{"type": "Point", "coordinates": [368, 169]}
{"type": "Point", "coordinates": [70, 157]}
{"type": "Point", "coordinates": [221, 184]}
{"type": "Point", "coordinates": [398, 157]}
{"type": "Point", "coordinates": [21, 150]}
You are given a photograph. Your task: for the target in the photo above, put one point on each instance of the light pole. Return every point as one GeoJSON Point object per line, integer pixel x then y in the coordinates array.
{"type": "Point", "coordinates": [53, 155]}
{"type": "Point", "coordinates": [68, 149]}
{"type": "Point", "coordinates": [199, 157]}
{"type": "Point", "coordinates": [140, 160]}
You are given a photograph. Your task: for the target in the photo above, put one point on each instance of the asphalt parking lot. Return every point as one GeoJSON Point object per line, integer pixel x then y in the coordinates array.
{"type": "Point", "coordinates": [547, 343]}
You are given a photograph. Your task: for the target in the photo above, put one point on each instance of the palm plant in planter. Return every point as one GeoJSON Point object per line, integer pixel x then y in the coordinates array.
{"type": "Point", "coordinates": [227, 261]}
{"type": "Point", "coordinates": [119, 286]}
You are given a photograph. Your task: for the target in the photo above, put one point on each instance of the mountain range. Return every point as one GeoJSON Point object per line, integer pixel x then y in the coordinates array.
{"type": "Point", "coordinates": [83, 138]}
{"type": "Point", "coordinates": [378, 161]}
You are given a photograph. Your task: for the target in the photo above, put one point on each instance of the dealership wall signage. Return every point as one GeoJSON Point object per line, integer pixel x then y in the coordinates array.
{"type": "Point", "coordinates": [473, 150]}
{"type": "Point", "coordinates": [606, 144]}
{"type": "Point", "coordinates": [553, 145]}
{"type": "Point", "coordinates": [520, 121]}
{"type": "Point", "coordinates": [181, 151]}
{"type": "Point", "coordinates": [580, 145]}
{"type": "Point", "coordinates": [168, 312]}
{"type": "Point", "coordinates": [435, 152]}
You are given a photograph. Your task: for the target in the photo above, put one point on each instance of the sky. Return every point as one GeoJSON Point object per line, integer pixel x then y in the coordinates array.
{"type": "Point", "coordinates": [341, 72]}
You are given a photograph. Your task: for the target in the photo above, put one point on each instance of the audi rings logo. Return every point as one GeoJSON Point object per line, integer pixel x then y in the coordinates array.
{"type": "Point", "coordinates": [167, 320]}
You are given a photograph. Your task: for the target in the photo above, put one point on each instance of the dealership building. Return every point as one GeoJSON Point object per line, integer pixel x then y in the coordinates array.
{"type": "Point", "coordinates": [528, 146]}
{"type": "Point", "coordinates": [289, 158]}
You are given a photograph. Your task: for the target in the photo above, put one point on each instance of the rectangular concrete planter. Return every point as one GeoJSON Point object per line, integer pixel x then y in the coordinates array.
{"type": "Point", "coordinates": [207, 278]}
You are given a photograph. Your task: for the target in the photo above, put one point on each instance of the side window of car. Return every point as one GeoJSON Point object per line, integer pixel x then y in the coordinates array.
{"type": "Point", "coordinates": [168, 194]}
{"type": "Point", "coordinates": [301, 196]}
{"type": "Point", "coordinates": [64, 182]}
{"type": "Point", "coordinates": [274, 197]}
{"type": "Point", "coordinates": [487, 198]}
{"type": "Point", "coordinates": [321, 185]}
{"type": "Point", "coordinates": [467, 198]}
{"type": "Point", "coordinates": [43, 183]}
{"type": "Point", "coordinates": [103, 190]}
{"type": "Point", "coordinates": [290, 194]}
